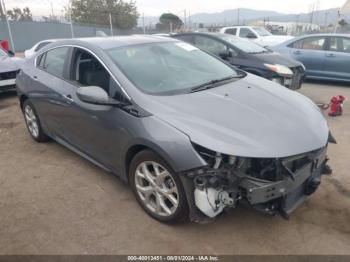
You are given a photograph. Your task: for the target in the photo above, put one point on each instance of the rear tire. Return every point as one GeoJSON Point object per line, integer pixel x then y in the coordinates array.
{"type": "Point", "coordinates": [33, 122]}
{"type": "Point", "coordinates": [157, 188]}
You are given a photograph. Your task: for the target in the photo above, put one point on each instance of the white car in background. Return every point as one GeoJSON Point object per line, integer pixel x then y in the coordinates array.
{"type": "Point", "coordinates": [257, 34]}
{"type": "Point", "coordinates": [9, 67]}
{"type": "Point", "coordinates": [30, 52]}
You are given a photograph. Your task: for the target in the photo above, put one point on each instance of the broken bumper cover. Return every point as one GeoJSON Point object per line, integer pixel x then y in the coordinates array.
{"type": "Point", "coordinates": [292, 191]}
{"type": "Point", "coordinates": [218, 189]}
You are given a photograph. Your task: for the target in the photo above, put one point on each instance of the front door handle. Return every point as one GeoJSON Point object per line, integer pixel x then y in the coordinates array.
{"type": "Point", "coordinates": [35, 78]}
{"type": "Point", "coordinates": [297, 52]}
{"type": "Point", "coordinates": [69, 98]}
{"type": "Point", "coordinates": [330, 55]}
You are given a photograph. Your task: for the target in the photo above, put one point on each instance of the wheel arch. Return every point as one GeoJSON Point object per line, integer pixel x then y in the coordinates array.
{"type": "Point", "coordinates": [22, 99]}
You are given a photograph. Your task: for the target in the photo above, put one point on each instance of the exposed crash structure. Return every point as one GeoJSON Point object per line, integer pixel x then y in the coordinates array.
{"type": "Point", "coordinates": [269, 185]}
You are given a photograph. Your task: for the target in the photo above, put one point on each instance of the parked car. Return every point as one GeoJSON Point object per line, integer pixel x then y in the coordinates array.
{"type": "Point", "coordinates": [257, 34]}
{"type": "Point", "coordinates": [190, 134]}
{"type": "Point", "coordinates": [30, 52]}
{"type": "Point", "coordinates": [9, 67]}
{"type": "Point", "coordinates": [249, 57]}
{"type": "Point", "coordinates": [325, 56]}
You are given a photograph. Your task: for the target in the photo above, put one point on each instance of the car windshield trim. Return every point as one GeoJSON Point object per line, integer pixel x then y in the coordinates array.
{"type": "Point", "coordinates": [169, 68]}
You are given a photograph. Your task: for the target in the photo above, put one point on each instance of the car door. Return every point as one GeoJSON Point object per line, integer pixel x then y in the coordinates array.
{"type": "Point", "coordinates": [311, 52]}
{"type": "Point", "coordinates": [95, 130]}
{"type": "Point", "coordinates": [46, 81]}
{"type": "Point", "coordinates": [337, 58]}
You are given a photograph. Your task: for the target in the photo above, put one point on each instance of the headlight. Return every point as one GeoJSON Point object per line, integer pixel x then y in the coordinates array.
{"type": "Point", "coordinates": [280, 69]}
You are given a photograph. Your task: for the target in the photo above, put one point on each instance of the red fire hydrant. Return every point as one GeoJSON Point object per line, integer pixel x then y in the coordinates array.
{"type": "Point", "coordinates": [336, 106]}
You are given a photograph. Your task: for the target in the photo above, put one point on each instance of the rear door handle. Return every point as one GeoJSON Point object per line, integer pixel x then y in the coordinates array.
{"type": "Point", "coordinates": [35, 78]}
{"type": "Point", "coordinates": [69, 98]}
{"type": "Point", "coordinates": [297, 52]}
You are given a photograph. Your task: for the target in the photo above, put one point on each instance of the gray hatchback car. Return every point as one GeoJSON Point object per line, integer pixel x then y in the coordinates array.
{"type": "Point", "coordinates": [193, 136]}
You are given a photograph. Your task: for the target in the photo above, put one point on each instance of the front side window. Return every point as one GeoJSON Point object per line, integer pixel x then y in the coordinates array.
{"type": "Point", "coordinates": [168, 68]}
{"type": "Point", "coordinates": [245, 45]}
{"type": "Point", "coordinates": [210, 45]}
{"type": "Point", "coordinates": [246, 33]}
{"type": "Point", "coordinates": [53, 61]}
{"type": "Point", "coordinates": [340, 44]}
{"type": "Point", "coordinates": [262, 31]}
{"type": "Point", "coordinates": [88, 71]}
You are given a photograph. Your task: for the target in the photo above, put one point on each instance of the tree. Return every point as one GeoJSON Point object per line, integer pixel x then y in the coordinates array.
{"type": "Point", "coordinates": [18, 14]}
{"type": "Point", "coordinates": [124, 14]}
{"type": "Point", "coordinates": [169, 21]}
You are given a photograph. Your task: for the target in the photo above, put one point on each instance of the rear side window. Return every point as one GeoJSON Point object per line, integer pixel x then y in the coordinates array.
{"type": "Point", "coordinates": [231, 31]}
{"type": "Point", "coordinates": [54, 60]}
{"type": "Point", "coordinates": [41, 45]}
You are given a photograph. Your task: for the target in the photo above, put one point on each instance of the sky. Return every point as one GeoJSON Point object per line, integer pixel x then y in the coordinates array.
{"type": "Point", "coordinates": [157, 7]}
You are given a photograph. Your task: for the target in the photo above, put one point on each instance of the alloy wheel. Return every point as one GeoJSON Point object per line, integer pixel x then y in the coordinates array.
{"type": "Point", "coordinates": [156, 188]}
{"type": "Point", "coordinates": [31, 121]}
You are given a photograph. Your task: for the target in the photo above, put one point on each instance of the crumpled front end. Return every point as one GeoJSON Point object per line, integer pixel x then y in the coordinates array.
{"type": "Point", "coordinates": [270, 185]}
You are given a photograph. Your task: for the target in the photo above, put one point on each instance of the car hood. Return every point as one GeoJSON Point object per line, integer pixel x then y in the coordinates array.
{"type": "Point", "coordinates": [251, 117]}
{"type": "Point", "coordinates": [8, 64]}
{"type": "Point", "coordinates": [273, 40]}
{"type": "Point", "coordinates": [275, 58]}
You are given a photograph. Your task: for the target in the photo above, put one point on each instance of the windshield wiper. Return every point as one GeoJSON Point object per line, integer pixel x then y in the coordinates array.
{"type": "Point", "coordinates": [212, 83]}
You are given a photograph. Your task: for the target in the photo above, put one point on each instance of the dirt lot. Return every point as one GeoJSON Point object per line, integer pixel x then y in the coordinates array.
{"type": "Point", "coordinates": [54, 202]}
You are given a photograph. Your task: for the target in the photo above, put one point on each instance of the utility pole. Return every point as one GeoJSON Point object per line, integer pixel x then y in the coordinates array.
{"type": "Point", "coordinates": [111, 24]}
{"type": "Point", "coordinates": [52, 13]}
{"type": "Point", "coordinates": [326, 21]}
{"type": "Point", "coordinates": [8, 25]}
{"type": "Point", "coordinates": [185, 18]}
{"type": "Point", "coordinates": [189, 20]}
{"type": "Point", "coordinates": [143, 23]}
{"type": "Point", "coordinates": [238, 22]}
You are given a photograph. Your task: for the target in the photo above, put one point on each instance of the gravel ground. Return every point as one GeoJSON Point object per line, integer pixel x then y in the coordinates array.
{"type": "Point", "coordinates": [55, 202]}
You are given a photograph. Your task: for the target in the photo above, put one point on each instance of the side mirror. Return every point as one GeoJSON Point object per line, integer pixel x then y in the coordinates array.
{"type": "Point", "coordinates": [11, 53]}
{"type": "Point", "coordinates": [225, 55]}
{"type": "Point", "coordinates": [251, 36]}
{"type": "Point", "coordinates": [95, 95]}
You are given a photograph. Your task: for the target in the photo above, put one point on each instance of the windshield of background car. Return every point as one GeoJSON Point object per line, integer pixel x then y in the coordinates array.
{"type": "Point", "coordinates": [262, 31]}
{"type": "Point", "coordinates": [168, 68]}
{"type": "Point", "coordinates": [2, 53]}
{"type": "Point", "coordinates": [245, 45]}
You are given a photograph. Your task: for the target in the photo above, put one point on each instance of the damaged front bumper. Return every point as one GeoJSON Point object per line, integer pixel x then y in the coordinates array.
{"type": "Point", "coordinates": [272, 186]}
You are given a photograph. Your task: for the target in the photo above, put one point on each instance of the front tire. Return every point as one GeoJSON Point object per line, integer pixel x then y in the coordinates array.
{"type": "Point", "coordinates": [33, 122]}
{"type": "Point", "coordinates": [157, 188]}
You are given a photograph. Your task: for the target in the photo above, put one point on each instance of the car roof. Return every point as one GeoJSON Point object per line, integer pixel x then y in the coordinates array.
{"type": "Point", "coordinates": [326, 34]}
{"type": "Point", "coordinates": [214, 34]}
{"type": "Point", "coordinates": [116, 41]}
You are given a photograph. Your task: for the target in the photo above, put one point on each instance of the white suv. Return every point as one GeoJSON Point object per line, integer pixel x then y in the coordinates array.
{"type": "Point", "coordinates": [257, 34]}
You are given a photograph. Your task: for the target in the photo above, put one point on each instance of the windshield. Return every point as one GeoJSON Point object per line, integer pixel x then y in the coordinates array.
{"type": "Point", "coordinates": [169, 68]}
{"type": "Point", "coordinates": [2, 53]}
{"type": "Point", "coordinates": [245, 45]}
{"type": "Point", "coordinates": [262, 31]}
